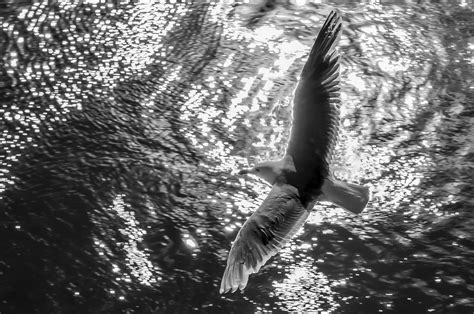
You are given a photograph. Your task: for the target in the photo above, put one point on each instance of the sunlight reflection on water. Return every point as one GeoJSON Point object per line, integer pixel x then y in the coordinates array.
{"type": "Point", "coordinates": [161, 120]}
{"type": "Point", "coordinates": [138, 261]}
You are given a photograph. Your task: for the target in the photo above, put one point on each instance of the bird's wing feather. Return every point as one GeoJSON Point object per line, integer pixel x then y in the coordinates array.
{"type": "Point", "coordinates": [263, 235]}
{"type": "Point", "coordinates": [316, 107]}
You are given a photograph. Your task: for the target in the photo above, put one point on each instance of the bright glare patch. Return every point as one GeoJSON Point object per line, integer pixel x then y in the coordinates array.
{"type": "Point", "coordinates": [266, 32]}
{"type": "Point", "coordinates": [303, 2]}
{"type": "Point", "coordinates": [190, 241]}
{"type": "Point", "coordinates": [356, 80]}
{"type": "Point", "coordinates": [137, 260]}
{"type": "Point", "coordinates": [326, 212]}
{"type": "Point", "coordinates": [304, 282]}
{"type": "Point", "coordinates": [391, 66]}
{"type": "Point", "coordinates": [297, 275]}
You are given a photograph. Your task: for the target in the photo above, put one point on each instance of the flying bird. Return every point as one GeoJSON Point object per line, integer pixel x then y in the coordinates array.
{"type": "Point", "coordinates": [302, 177]}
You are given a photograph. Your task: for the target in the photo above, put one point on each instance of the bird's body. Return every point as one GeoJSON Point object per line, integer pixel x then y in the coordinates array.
{"type": "Point", "coordinates": [302, 177]}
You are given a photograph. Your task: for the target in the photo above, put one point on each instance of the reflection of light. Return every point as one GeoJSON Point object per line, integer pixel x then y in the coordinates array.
{"type": "Point", "coordinates": [170, 78]}
{"type": "Point", "coordinates": [137, 260]}
{"type": "Point", "coordinates": [115, 268]}
{"type": "Point", "coordinates": [305, 246]}
{"type": "Point", "coordinates": [265, 33]}
{"type": "Point", "coordinates": [391, 66]}
{"type": "Point", "coordinates": [190, 241]}
{"type": "Point", "coordinates": [326, 212]}
{"type": "Point", "coordinates": [354, 79]}
{"type": "Point", "coordinates": [298, 274]}
{"type": "Point", "coordinates": [341, 282]}
{"type": "Point", "coordinates": [245, 204]}
{"type": "Point", "coordinates": [370, 29]}
{"type": "Point", "coordinates": [229, 60]}
{"type": "Point", "coordinates": [299, 2]}
{"type": "Point", "coordinates": [288, 49]}
{"type": "Point", "coordinates": [236, 106]}
{"type": "Point", "coordinates": [313, 289]}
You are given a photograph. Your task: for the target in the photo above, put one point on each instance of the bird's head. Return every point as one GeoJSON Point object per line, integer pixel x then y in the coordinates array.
{"type": "Point", "coordinates": [267, 170]}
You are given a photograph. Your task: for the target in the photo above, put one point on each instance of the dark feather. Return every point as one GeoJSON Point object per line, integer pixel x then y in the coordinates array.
{"type": "Point", "coordinates": [316, 110]}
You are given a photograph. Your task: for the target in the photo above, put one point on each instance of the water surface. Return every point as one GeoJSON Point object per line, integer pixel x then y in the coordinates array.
{"type": "Point", "coordinates": [123, 128]}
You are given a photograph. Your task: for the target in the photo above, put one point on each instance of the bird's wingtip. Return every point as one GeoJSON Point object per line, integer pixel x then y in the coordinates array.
{"type": "Point", "coordinates": [232, 289]}
{"type": "Point", "coordinates": [235, 278]}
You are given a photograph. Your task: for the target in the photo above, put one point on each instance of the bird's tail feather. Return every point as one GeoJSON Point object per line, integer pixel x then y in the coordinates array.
{"type": "Point", "coordinates": [351, 197]}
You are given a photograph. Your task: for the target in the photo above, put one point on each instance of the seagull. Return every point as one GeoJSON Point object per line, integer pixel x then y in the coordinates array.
{"type": "Point", "coordinates": [302, 177]}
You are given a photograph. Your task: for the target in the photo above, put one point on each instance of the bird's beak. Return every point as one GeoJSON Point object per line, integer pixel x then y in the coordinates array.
{"type": "Point", "coordinates": [244, 171]}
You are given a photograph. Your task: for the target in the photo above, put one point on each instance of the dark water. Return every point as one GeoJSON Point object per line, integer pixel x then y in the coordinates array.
{"type": "Point", "coordinates": [123, 127]}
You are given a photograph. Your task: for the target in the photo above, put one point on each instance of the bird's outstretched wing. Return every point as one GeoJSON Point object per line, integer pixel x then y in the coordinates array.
{"type": "Point", "coordinates": [316, 108]}
{"type": "Point", "coordinates": [263, 235]}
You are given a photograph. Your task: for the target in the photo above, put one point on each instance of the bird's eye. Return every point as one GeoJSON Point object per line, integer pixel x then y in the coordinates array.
{"type": "Point", "coordinates": [258, 169]}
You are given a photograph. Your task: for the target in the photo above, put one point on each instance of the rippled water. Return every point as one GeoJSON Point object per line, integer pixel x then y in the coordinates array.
{"type": "Point", "coordinates": [123, 128]}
